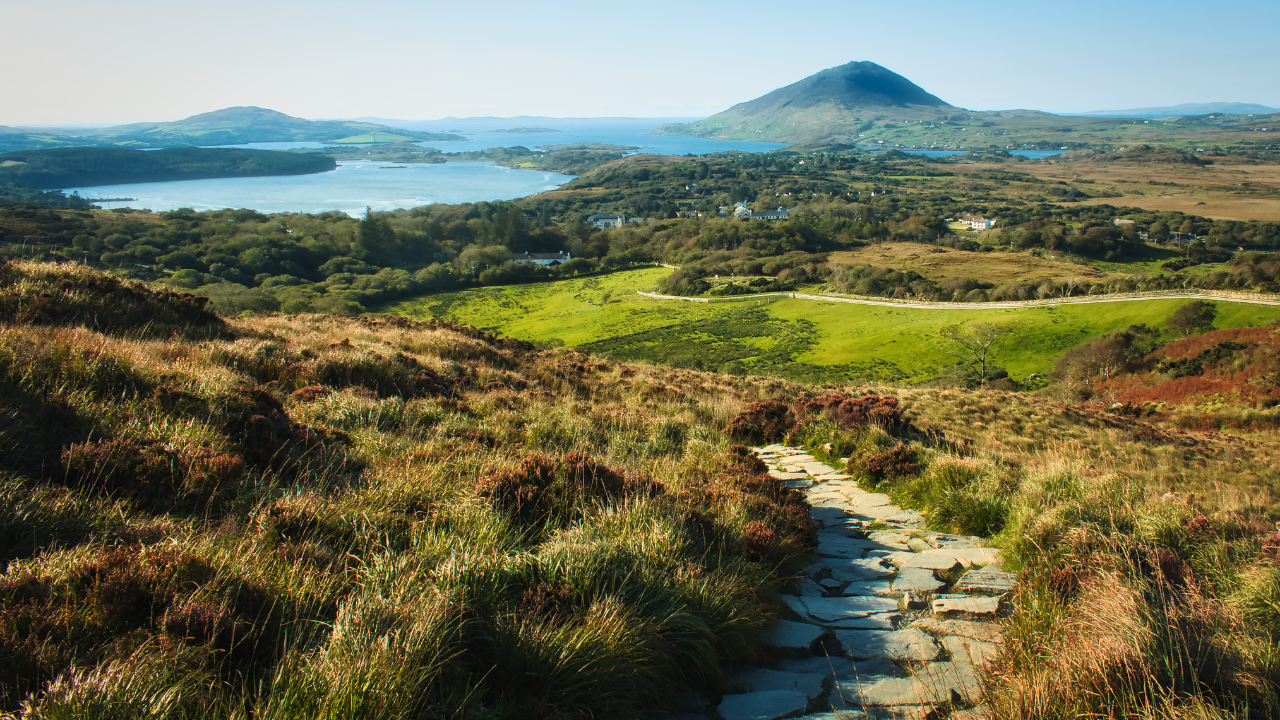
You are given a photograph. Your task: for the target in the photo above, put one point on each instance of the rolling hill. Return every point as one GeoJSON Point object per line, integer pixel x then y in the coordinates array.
{"type": "Point", "coordinates": [228, 126]}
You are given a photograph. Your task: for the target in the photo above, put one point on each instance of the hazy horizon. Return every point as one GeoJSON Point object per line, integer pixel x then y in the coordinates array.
{"type": "Point", "coordinates": [149, 61]}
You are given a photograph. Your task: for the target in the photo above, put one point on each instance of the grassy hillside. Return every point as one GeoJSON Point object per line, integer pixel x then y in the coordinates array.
{"type": "Point", "coordinates": [71, 167]}
{"type": "Point", "coordinates": [310, 516]}
{"type": "Point", "coordinates": [803, 339]}
{"type": "Point", "coordinates": [298, 516]}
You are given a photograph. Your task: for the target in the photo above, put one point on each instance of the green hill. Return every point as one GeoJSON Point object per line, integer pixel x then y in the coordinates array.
{"type": "Point", "coordinates": [77, 166]}
{"type": "Point", "coordinates": [228, 126]}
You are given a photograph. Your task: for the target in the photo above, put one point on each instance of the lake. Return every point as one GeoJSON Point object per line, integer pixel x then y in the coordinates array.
{"type": "Point", "coordinates": [350, 188]}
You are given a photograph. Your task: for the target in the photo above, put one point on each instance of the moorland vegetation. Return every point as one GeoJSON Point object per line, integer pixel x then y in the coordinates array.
{"type": "Point", "coordinates": [316, 516]}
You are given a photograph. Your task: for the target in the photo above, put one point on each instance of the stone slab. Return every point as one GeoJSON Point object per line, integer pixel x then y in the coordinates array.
{"type": "Point", "coordinates": [798, 484]}
{"type": "Point", "coordinates": [839, 668]}
{"type": "Point", "coordinates": [974, 652]}
{"type": "Point", "coordinates": [788, 634]}
{"type": "Point", "coordinates": [757, 679]}
{"type": "Point", "coordinates": [882, 588]}
{"type": "Point", "coordinates": [889, 538]}
{"type": "Point", "coordinates": [831, 583]}
{"type": "Point", "coordinates": [870, 500]}
{"type": "Point", "coordinates": [832, 476]}
{"type": "Point", "coordinates": [805, 587]}
{"type": "Point", "coordinates": [925, 560]}
{"type": "Point", "coordinates": [829, 609]}
{"type": "Point", "coordinates": [899, 645]}
{"type": "Point", "coordinates": [989, 580]}
{"type": "Point", "coordinates": [978, 606]}
{"type": "Point", "coordinates": [972, 557]}
{"type": "Point", "coordinates": [917, 580]}
{"type": "Point", "coordinates": [878, 621]}
{"type": "Point", "coordinates": [780, 475]}
{"type": "Point", "coordinates": [828, 514]}
{"type": "Point", "coordinates": [841, 549]}
{"type": "Point", "coordinates": [934, 684]}
{"type": "Point", "coordinates": [986, 632]}
{"type": "Point", "coordinates": [766, 705]}
{"type": "Point", "coordinates": [854, 570]}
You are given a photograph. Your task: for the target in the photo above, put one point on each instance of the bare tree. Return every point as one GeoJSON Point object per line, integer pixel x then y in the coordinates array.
{"type": "Point", "coordinates": [978, 341]}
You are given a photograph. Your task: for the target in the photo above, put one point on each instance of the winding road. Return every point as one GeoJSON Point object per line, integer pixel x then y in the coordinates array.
{"type": "Point", "coordinates": [933, 305]}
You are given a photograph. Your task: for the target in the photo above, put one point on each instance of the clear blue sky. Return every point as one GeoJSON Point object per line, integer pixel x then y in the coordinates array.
{"type": "Point", "coordinates": [153, 60]}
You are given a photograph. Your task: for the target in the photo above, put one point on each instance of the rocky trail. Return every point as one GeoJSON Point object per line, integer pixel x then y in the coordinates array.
{"type": "Point", "coordinates": [890, 621]}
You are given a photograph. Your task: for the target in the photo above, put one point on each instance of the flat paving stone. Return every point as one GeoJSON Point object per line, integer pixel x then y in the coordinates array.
{"type": "Point", "coordinates": [766, 705]}
{"type": "Point", "coordinates": [789, 634]}
{"type": "Point", "coordinates": [780, 475]}
{"type": "Point", "coordinates": [841, 549]}
{"type": "Point", "coordinates": [974, 652]}
{"type": "Point", "coordinates": [839, 668]}
{"type": "Point", "coordinates": [798, 484]}
{"type": "Point", "coordinates": [927, 561]}
{"type": "Point", "coordinates": [878, 621]}
{"type": "Point", "coordinates": [973, 557]}
{"type": "Point", "coordinates": [986, 632]}
{"type": "Point", "coordinates": [934, 684]}
{"type": "Point", "coordinates": [917, 580]}
{"type": "Point", "coordinates": [901, 645]}
{"type": "Point", "coordinates": [979, 606]}
{"type": "Point", "coordinates": [988, 579]}
{"type": "Point", "coordinates": [831, 583]}
{"type": "Point", "coordinates": [945, 542]}
{"type": "Point", "coordinates": [852, 570]}
{"type": "Point", "coordinates": [807, 588]}
{"type": "Point", "coordinates": [827, 514]}
{"type": "Point", "coordinates": [882, 588]}
{"type": "Point", "coordinates": [832, 476]}
{"type": "Point", "coordinates": [757, 679]}
{"type": "Point", "coordinates": [870, 500]}
{"type": "Point", "coordinates": [829, 609]}
{"type": "Point", "coordinates": [889, 538]}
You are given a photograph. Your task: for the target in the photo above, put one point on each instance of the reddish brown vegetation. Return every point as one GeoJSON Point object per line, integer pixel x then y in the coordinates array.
{"type": "Point", "coordinates": [554, 603]}
{"type": "Point", "coordinates": [72, 295]}
{"type": "Point", "coordinates": [772, 421]}
{"type": "Point", "coordinates": [540, 486]}
{"type": "Point", "coordinates": [897, 462]}
{"type": "Point", "coordinates": [46, 624]}
{"type": "Point", "coordinates": [1240, 375]}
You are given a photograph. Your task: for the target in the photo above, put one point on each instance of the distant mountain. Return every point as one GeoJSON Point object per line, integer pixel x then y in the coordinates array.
{"type": "Point", "coordinates": [828, 104]}
{"type": "Point", "coordinates": [239, 125]}
{"type": "Point", "coordinates": [229, 126]}
{"type": "Point", "coordinates": [1232, 108]}
{"type": "Point", "coordinates": [52, 168]}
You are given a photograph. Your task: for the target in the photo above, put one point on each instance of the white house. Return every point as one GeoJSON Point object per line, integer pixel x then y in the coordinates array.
{"type": "Point", "coordinates": [743, 213]}
{"type": "Point", "coordinates": [979, 223]}
{"type": "Point", "coordinates": [543, 259]}
{"type": "Point", "coordinates": [605, 222]}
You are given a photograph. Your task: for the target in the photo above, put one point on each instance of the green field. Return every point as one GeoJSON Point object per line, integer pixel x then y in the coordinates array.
{"type": "Point", "coordinates": [803, 339]}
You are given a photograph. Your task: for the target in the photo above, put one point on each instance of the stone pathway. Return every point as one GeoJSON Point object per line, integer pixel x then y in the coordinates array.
{"type": "Point", "coordinates": [889, 621]}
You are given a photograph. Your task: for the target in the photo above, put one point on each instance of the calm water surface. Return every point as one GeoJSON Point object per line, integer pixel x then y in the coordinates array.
{"type": "Point", "coordinates": [349, 189]}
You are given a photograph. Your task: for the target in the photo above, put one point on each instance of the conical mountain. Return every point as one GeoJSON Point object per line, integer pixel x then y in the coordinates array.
{"type": "Point", "coordinates": [827, 105]}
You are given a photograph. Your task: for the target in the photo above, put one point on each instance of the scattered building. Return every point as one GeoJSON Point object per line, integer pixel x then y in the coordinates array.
{"type": "Point", "coordinates": [742, 212]}
{"type": "Point", "coordinates": [604, 222]}
{"type": "Point", "coordinates": [543, 259]}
